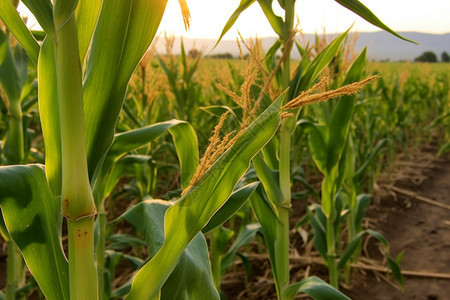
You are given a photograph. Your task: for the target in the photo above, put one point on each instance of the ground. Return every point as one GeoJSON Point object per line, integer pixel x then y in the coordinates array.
{"type": "Point", "coordinates": [421, 229]}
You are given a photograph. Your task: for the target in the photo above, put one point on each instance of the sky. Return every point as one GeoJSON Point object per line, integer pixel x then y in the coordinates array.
{"type": "Point", "coordinates": [209, 17]}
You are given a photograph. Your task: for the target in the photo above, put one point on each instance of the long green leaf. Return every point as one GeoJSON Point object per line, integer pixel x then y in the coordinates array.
{"type": "Point", "coordinates": [349, 250]}
{"type": "Point", "coordinates": [361, 171]}
{"type": "Point", "coordinates": [101, 71]}
{"type": "Point", "coordinates": [116, 49]}
{"type": "Point", "coordinates": [342, 114]}
{"type": "Point", "coordinates": [193, 211]}
{"type": "Point", "coordinates": [318, 143]}
{"type": "Point", "coordinates": [316, 288]}
{"type": "Point", "coordinates": [362, 202]}
{"type": "Point", "coordinates": [303, 79]}
{"type": "Point", "coordinates": [244, 237]}
{"type": "Point", "coordinates": [86, 15]}
{"type": "Point", "coordinates": [49, 115]}
{"type": "Point", "coordinates": [123, 166]}
{"type": "Point", "coordinates": [275, 21]}
{"type": "Point", "coordinates": [268, 219]}
{"type": "Point", "coordinates": [186, 145]}
{"type": "Point", "coordinates": [237, 199]}
{"type": "Point", "coordinates": [10, 81]}
{"type": "Point", "coordinates": [365, 13]}
{"type": "Point", "coordinates": [14, 23]}
{"type": "Point", "coordinates": [32, 216]}
{"type": "Point", "coordinates": [242, 6]}
{"type": "Point", "coordinates": [184, 137]}
{"type": "Point", "coordinates": [191, 278]}
{"type": "Point", "coordinates": [269, 179]}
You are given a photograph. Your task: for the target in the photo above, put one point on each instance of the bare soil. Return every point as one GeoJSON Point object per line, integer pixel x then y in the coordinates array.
{"type": "Point", "coordinates": [420, 229]}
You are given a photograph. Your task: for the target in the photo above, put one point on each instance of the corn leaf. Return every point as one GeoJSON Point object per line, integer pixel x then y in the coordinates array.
{"type": "Point", "coordinates": [185, 141]}
{"type": "Point", "coordinates": [14, 23]}
{"type": "Point", "coordinates": [233, 18]}
{"type": "Point", "coordinates": [10, 79]}
{"type": "Point", "coordinates": [123, 166]}
{"type": "Point", "coordinates": [342, 114]}
{"type": "Point", "coordinates": [186, 145]}
{"type": "Point", "coordinates": [316, 288]}
{"type": "Point", "coordinates": [349, 250]}
{"type": "Point", "coordinates": [365, 13]}
{"type": "Point", "coordinates": [32, 216]}
{"type": "Point", "coordinates": [269, 179]}
{"type": "Point", "coordinates": [304, 78]}
{"type": "Point", "coordinates": [268, 219]}
{"type": "Point", "coordinates": [359, 174]}
{"type": "Point", "coordinates": [116, 49]}
{"type": "Point", "coordinates": [318, 223]}
{"type": "Point", "coordinates": [49, 115]}
{"type": "Point", "coordinates": [13, 75]}
{"type": "Point", "coordinates": [362, 202]}
{"type": "Point", "coordinates": [86, 15]}
{"type": "Point", "coordinates": [244, 237]}
{"type": "Point", "coordinates": [275, 21]}
{"type": "Point", "coordinates": [394, 265]}
{"type": "Point", "coordinates": [193, 211]}
{"type": "Point", "coordinates": [42, 10]}
{"type": "Point", "coordinates": [318, 143]}
{"type": "Point", "coordinates": [237, 199]}
{"type": "Point", "coordinates": [191, 278]}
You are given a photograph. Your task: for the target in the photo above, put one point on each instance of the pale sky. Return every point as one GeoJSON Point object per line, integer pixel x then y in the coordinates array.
{"type": "Point", "coordinates": [209, 17]}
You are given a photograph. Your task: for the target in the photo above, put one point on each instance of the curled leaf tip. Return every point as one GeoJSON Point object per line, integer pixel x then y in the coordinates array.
{"type": "Point", "coordinates": [186, 14]}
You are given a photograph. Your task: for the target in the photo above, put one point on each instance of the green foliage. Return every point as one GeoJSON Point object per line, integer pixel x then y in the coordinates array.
{"type": "Point", "coordinates": [191, 276]}
{"type": "Point", "coordinates": [32, 216]}
{"type": "Point", "coordinates": [427, 56]}
{"type": "Point", "coordinates": [445, 57]}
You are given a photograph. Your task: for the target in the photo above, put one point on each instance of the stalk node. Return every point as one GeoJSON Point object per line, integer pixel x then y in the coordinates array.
{"type": "Point", "coordinates": [82, 217]}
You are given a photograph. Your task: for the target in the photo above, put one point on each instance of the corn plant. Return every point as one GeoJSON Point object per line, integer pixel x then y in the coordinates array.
{"type": "Point", "coordinates": [333, 153]}
{"type": "Point", "coordinates": [183, 86]}
{"type": "Point", "coordinates": [273, 167]}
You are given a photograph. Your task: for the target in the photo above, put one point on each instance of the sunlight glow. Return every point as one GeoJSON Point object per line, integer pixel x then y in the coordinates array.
{"type": "Point", "coordinates": [209, 17]}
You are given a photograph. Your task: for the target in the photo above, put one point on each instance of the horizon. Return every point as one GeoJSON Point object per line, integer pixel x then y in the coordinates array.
{"type": "Point", "coordinates": [305, 33]}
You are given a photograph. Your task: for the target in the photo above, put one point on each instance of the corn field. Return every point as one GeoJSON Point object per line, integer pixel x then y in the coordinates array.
{"type": "Point", "coordinates": [131, 174]}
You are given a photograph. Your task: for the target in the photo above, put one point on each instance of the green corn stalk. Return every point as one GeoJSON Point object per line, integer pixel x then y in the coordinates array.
{"type": "Point", "coordinates": [328, 141]}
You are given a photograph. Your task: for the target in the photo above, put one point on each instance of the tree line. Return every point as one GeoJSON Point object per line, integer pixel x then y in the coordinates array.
{"type": "Point", "coordinates": [430, 56]}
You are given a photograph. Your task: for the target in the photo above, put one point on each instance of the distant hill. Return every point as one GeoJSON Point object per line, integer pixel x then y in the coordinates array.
{"type": "Point", "coordinates": [381, 45]}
